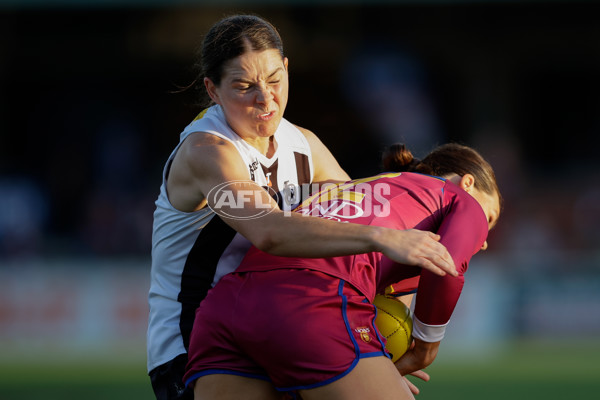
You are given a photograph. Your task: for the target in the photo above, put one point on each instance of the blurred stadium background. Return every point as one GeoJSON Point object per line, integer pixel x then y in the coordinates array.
{"type": "Point", "coordinates": [88, 116]}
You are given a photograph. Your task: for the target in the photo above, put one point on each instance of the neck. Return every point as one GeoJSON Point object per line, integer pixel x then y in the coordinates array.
{"type": "Point", "coordinates": [265, 145]}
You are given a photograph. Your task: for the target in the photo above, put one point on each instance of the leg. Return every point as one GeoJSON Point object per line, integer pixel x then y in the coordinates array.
{"type": "Point", "coordinates": [233, 387]}
{"type": "Point", "coordinates": [373, 378]}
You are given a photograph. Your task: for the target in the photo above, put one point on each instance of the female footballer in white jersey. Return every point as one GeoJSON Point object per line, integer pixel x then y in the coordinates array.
{"type": "Point", "coordinates": [239, 145]}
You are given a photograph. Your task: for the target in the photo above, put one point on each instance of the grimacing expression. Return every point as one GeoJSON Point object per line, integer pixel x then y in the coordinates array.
{"type": "Point", "coordinates": [253, 92]}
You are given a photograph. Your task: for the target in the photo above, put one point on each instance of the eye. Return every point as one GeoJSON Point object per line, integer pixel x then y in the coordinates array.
{"type": "Point", "coordinates": [492, 219]}
{"type": "Point", "coordinates": [242, 86]}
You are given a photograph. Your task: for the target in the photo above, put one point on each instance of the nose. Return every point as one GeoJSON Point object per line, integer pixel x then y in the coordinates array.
{"type": "Point", "coordinates": [263, 95]}
{"type": "Point", "coordinates": [485, 245]}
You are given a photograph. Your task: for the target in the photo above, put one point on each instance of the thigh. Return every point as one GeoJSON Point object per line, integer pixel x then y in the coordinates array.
{"type": "Point", "coordinates": [233, 387]}
{"type": "Point", "coordinates": [373, 378]}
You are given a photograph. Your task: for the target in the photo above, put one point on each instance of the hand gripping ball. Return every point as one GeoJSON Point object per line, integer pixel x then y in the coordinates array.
{"type": "Point", "coordinates": [395, 324]}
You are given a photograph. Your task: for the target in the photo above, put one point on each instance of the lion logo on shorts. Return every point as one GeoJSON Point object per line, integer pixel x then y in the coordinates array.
{"type": "Point", "coordinates": [364, 333]}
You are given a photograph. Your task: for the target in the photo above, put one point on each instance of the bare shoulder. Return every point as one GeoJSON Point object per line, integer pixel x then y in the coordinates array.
{"type": "Point", "coordinates": [206, 156]}
{"type": "Point", "coordinates": [326, 167]}
{"type": "Point", "coordinates": [316, 145]}
{"type": "Point", "coordinates": [203, 161]}
{"type": "Point", "coordinates": [200, 139]}
{"type": "Point", "coordinates": [309, 135]}
{"type": "Point", "coordinates": [201, 150]}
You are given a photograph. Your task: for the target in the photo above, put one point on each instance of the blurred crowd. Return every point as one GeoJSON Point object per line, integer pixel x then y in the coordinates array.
{"type": "Point", "coordinates": [88, 114]}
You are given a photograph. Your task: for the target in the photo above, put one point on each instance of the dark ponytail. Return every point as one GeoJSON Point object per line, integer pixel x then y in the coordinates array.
{"type": "Point", "coordinates": [397, 158]}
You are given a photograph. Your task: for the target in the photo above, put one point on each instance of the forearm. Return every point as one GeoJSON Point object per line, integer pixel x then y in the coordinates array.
{"type": "Point", "coordinates": [295, 235]}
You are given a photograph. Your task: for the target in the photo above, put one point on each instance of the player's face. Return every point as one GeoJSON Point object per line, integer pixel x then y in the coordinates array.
{"type": "Point", "coordinates": [253, 93]}
{"type": "Point", "coordinates": [491, 207]}
{"type": "Point", "coordinates": [490, 203]}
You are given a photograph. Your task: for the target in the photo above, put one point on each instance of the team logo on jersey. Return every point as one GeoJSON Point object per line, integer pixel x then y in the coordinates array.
{"type": "Point", "coordinates": [364, 331]}
{"type": "Point", "coordinates": [241, 200]}
{"type": "Point", "coordinates": [253, 167]}
{"type": "Point", "coordinates": [351, 200]}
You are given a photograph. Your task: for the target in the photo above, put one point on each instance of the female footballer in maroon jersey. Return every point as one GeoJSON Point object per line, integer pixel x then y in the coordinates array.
{"type": "Point", "coordinates": [306, 325]}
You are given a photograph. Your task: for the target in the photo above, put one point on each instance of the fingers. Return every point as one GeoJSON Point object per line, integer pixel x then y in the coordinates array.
{"type": "Point", "coordinates": [428, 265]}
{"type": "Point", "coordinates": [441, 267]}
{"type": "Point", "coordinates": [434, 236]}
{"type": "Point", "coordinates": [413, 388]}
{"type": "Point", "coordinates": [420, 248]}
{"type": "Point", "coordinates": [421, 375]}
{"type": "Point", "coordinates": [442, 258]}
{"type": "Point", "coordinates": [436, 257]}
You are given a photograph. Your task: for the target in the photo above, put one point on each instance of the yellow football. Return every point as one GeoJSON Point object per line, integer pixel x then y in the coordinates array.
{"type": "Point", "coordinates": [395, 324]}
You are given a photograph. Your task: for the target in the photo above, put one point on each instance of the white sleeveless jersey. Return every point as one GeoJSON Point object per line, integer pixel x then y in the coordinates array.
{"type": "Point", "coordinates": [192, 251]}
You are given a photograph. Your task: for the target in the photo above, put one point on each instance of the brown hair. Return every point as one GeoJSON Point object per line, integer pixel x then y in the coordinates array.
{"type": "Point", "coordinates": [230, 38]}
{"type": "Point", "coordinates": [444, 160]}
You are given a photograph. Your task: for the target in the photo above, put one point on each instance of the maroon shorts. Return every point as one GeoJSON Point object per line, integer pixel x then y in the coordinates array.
{"type": "Point", "coordinates": [299, 329]}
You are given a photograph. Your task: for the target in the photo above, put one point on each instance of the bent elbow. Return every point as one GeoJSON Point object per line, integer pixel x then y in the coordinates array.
{"type": "Point", "coordinates": [266, 243]}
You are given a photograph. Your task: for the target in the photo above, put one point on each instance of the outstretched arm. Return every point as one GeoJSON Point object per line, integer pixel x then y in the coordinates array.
{"type": "Point", "coordinates": [204, 163]}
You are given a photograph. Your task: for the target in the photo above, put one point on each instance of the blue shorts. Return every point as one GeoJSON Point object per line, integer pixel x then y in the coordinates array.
{"type": "Point", "coordinates": [299, 329]}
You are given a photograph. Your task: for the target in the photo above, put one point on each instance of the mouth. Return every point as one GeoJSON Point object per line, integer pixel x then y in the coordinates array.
{"type": "Point", "coordinates": [266, 116]}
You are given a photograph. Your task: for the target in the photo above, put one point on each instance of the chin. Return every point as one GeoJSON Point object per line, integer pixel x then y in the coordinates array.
{"type": "Point", "coordinates": [268, 129]}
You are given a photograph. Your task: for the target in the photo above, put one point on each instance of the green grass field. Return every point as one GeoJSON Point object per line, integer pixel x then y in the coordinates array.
{"type": "Point", "coordinates": [525, 371]}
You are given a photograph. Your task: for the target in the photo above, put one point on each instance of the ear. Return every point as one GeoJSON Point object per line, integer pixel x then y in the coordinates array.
{"type": "Point", "coordinates": [211, 89]}
{"type": "Point", "coordinates": [285, 63]}
{"type": "Point", "coordinates": [467, 182]}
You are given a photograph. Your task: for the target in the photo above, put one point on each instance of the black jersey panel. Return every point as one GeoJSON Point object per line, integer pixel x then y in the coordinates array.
{"type": "Point", "coordinates": [199, 271]}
